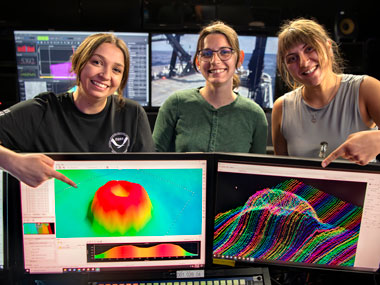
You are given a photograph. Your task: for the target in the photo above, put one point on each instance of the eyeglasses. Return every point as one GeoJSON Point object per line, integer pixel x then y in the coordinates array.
{"type": "Point", "coordinates": [224, 54]}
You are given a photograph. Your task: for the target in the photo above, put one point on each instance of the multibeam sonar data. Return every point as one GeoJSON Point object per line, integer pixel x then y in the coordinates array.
{"type": "Point", "coordinates": [39, 228]}
{"type": "Point", "coordinates": [164, 251]}
{"type": "Point", "coordinates": [118, 206]}
{"type": "Point", "coordinates": [291, 222]}
{"type": "Point", "coordinates": [133, 202]}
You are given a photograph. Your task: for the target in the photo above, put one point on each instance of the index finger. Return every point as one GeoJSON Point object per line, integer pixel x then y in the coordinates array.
{"type": "Point", "coordinates": [334, 155]}
{"type": "Point", "coordinates": [63, 178]}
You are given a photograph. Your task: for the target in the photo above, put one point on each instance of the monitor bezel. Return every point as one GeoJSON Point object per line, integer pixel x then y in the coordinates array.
{"type": "Point", "coordinates": [4, 224]}
{"type": "Point", "coordinates": [12, 235]}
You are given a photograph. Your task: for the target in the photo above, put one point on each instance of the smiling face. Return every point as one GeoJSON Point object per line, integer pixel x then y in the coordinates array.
{"type": "Point", "coordinates": [102, 74]}
{"type": "Point", "coordinates": [216, 71]}
{"type": "Point", "coordinates": [314, 39]}
{"type": "Point", "coordinates": [304, 64]}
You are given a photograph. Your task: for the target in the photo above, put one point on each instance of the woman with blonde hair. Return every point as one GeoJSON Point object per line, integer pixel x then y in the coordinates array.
{"type": "Point", "coordinates": [213, 117]}
{"type": "Point", "coordinates": [325, 105]}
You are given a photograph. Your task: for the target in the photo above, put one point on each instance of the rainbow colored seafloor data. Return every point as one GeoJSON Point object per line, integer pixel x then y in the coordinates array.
{"type": "Point", "coordinates": [128, 251]}
{"type": "Point", "coordinates": [175, 206]}
{"type": "Point", "coordinates": [119, 206]}
{"type": "Point", "coordinates": [290, 222]}
{"type": "Point", "coordinates": [38, 228]}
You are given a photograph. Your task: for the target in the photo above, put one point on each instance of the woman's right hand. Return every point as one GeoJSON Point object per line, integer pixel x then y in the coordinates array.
{"type": "Point", "coordinates": [361, 148]}
{"type": "Point", "coordinates": [32, 169]}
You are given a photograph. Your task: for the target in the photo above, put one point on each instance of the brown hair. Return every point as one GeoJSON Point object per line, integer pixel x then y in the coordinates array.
{"type": "Point", "coordinates": [310, 32]}
{"type": "Point", "coordinates": [86, 49]}
{"type": "Point", "coordinates": [219, 27]}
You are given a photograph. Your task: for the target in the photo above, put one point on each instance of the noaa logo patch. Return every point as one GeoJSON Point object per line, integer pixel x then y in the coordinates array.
{"type": "Point", "coordinates": [119, 142]}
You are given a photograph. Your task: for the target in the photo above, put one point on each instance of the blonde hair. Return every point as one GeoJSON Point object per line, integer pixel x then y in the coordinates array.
{"type": "Point", "coordinates": [219, 27]}
{"type": "Point", "coordinates": [87, 48]}
{"type": "Point", "coordinates": [309, 32]}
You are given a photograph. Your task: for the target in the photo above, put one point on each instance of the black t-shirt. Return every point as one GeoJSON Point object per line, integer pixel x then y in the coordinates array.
{"type": "Point", "coordinates": [52, 123]}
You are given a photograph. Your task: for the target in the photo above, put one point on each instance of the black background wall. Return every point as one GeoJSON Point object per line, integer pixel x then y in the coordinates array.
{"type": "Point", "coordinates": [359, 46]}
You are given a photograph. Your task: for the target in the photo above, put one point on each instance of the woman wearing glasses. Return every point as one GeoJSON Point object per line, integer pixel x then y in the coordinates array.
{"type": "Point", "coordinates": [213, 117]}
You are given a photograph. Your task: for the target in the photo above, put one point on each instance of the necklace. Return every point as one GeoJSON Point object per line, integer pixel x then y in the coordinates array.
{"type": "Point", "coordinates": [313, 115]}
{"type": "Point", "coordinates": [313, 111]}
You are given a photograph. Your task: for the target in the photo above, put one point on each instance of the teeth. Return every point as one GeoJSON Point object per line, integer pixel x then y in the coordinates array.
{"type": "Point", "coordinates": [99, 84]}
{"type": "Point", "coordinates": [216, 70]}
{"type": "Point", "coordinates": [310, 71]}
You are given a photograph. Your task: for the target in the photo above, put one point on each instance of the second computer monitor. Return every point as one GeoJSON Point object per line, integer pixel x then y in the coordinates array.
{"type": "Point", "coordinates": [43, 62]}
{"type": "Point", "coordinates": [293, 212]}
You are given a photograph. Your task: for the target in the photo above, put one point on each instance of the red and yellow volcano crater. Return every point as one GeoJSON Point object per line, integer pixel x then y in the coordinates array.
{"type": "Point", "coordinates": [119, 206]}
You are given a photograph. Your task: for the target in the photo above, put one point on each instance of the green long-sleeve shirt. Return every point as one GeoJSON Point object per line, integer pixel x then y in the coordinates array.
{"type": "Point", "coordinates": [186, 122]}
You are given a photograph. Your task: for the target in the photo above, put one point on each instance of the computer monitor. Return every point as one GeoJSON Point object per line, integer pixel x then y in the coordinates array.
{"type": "Point", "coordinates": [2, 236]}
{"type": "Point", "coordinates": [292, 212]}
{"type": "Point", "coordinates": [129, 212]}
{"type": "Point", "coordinates": [172, 70]}
{"type": "Point", "coordinates": [43, 62]}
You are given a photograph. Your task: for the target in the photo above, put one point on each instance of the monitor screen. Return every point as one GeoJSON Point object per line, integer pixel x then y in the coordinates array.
{"type": "Point", "coordinates": [2, 237]}
{"type": "Point", "coordinates": [43, 62]}
{"type": "Point", "coordinates": [172, 69]}
{"type": "Point", "coordinates": [128, 212]}
{"type": "Point", "coordinates": [285, 213]}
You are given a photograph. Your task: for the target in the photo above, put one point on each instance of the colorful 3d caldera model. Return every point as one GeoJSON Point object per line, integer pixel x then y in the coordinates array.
{"type": "Point", "coordinates": [292, 222]}
{"type": "Point", "coordinates": [121, 206]}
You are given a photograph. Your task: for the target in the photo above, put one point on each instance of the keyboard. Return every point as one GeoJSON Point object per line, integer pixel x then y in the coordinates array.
{"type": "Point", "coordinates": [249, 276]}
